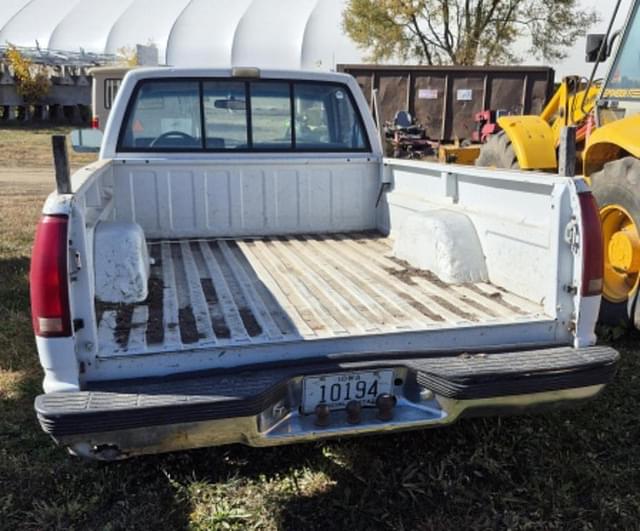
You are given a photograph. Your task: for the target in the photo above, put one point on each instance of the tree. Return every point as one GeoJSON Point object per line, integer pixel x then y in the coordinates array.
{"type": "Point", "coordinates": [465, 32]}
{"type": "Point", "coordinates": [32, 82]}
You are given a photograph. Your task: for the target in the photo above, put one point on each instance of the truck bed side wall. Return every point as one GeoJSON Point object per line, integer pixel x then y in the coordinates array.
{"type": "Point", "coordinates": [519, 219]}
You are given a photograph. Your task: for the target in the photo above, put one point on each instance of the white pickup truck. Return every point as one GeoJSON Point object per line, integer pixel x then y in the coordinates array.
{"type": "Point", "coordinates": [241, 265]}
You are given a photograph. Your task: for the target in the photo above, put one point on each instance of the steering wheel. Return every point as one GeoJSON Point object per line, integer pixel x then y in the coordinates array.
{"type": "Point", "coordinates": [172, 134]}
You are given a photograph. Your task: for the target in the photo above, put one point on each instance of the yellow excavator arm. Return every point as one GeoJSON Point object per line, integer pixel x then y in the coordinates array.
{"type": "Point", "coordinates": [535, 138]}
{"type": "Point", "coordinates": [570, 105]}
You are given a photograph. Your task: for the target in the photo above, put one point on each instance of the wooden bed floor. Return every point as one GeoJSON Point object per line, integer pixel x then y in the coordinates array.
{"type": "Point", "coordinates": [233, 292]}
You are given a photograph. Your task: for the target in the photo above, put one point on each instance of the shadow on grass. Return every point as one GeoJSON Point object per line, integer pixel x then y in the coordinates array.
{"type": "Point", "coordinates": [17, 345]}
{"type": "Point", "coordinates": [14, 284]}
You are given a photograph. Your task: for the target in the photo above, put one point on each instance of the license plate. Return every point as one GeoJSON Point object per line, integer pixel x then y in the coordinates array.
{"type": "Point", "coordinates": [337, 390]}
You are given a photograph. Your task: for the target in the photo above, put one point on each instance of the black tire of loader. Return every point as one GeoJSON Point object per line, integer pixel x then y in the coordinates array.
{"type": "Point", "coordinates": [619, 183]}
{"type": "Point", "coordinates": [498, 153]}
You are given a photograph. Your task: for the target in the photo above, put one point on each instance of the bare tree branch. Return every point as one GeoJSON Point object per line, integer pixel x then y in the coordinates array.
{"type": "Point", "coordinates": [423, 41]}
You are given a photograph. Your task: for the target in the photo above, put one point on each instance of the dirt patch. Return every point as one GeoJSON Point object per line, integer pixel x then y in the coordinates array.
{"type": "Point", "coordinates": [155, 299]}
{"type": "Point", "coordinates": [421, 308]}
{"type": "Point", "coordinates": [220, 328]}
{"type": "Point", "coordinates": [188, 329]}
{"type": "Point", "coordinates": [408, 271]}
{"type": "Point", "coordinates": [250, 322]}
{"type": "Point", "coordinates": [478, 306]}
{"type": "Point", "coordinates": [454, 309]}
{"type": "Point", "coordinates": [124, 314]}
{"type": "Point", "coordinates": [210, 293]}
{"type": "Point", "coordinates": [155, 322]}
{"type": "Point", "coordinates": [246, 314]}
{"type": "Point", "coordinates": [123, 324]}
{"type": "Point", "coordinates": [405, 275]}
{"type": "Point", "coordinates": [365, 236]}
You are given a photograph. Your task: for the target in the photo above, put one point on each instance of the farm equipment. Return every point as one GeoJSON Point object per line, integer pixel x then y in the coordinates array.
{"type": "Point", "coordinates": [467, 152]}
{"type": "Point", "coordinates": [607, 116]}
{"type": "Point", "coordinates": [458, 153]}
{"type": "Point", "coordinates": [531, 141]}
{"type": "Point", "coordinates": [487, 125]}
{"type": "Point", "coordinates": [407, 138]}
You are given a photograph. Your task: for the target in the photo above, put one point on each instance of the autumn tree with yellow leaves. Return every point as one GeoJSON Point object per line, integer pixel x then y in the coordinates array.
{"type": "Point", "coordinates": [32, 81]}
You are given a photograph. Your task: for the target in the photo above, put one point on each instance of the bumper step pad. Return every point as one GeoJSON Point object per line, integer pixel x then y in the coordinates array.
{"type": "Point", "coordinates": [112, 406]}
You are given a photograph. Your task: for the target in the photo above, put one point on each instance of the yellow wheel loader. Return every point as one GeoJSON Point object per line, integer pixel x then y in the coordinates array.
{"type": "Point", "coordinates": [530, 142]}
{"type": "Point", "coordinates": [607, 116]}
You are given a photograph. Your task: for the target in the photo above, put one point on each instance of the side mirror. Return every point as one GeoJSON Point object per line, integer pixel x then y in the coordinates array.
{"type": "Point", "coordinates": [86, 140]}
{"type": "Point", "coordinates": [596, 49]}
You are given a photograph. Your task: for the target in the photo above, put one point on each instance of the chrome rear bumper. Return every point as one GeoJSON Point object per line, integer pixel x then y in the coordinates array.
{"type": "Point", "coordinates": [262, 407]}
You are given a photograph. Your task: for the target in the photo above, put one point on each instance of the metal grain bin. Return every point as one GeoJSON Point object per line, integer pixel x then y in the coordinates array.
{"type": "Point", "coordinates": [445, 99]}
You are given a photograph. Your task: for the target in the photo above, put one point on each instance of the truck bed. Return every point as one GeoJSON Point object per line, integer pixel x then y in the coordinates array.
{"type": "Point", "coordinates": [219, 292]}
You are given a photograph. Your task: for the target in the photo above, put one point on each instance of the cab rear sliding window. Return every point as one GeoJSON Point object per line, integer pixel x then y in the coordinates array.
{"type": "Point", "coordinates": [226, 115]}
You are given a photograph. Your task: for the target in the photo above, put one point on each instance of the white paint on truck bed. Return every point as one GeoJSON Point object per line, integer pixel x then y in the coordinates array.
{"type": "Point", "coordinates": [237, 197]}
{"type": "Point", "coordinates": [234, 292]}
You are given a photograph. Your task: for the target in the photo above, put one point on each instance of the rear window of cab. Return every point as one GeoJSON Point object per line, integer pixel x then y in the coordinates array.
{"type": "Point", "coordinates": [201, 115]}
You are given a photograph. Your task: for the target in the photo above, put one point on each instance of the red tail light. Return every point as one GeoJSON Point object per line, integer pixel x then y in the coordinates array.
{"type": "Point", "coordinates": [49, 279]}
{"type": "Point", "coordinates": [95, 123]}
{"type": "Point", "coordinates": [592, 246]}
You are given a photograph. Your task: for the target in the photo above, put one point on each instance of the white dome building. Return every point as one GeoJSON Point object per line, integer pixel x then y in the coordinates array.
{"type": "Point", "coordinates": [265, 33]}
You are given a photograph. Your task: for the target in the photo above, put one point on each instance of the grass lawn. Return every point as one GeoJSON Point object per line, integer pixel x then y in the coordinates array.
{"type": "Point", "coordinates": [571, 469]}
{"type": "Point", "coordinates": [27, 147]}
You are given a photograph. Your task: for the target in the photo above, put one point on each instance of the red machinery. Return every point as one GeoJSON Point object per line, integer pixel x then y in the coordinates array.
{"type": "Point", "coordinates": [486, 125]}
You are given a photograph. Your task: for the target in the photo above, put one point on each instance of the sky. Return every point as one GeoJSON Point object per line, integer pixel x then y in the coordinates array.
{"type": "Point", "coordinates": [575, 64]}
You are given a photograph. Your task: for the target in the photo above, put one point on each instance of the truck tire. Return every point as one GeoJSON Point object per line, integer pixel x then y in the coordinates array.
{"type": "Point", "coordinates": [498, 153]}
{"type": "Point", "coordinates": [616, 188]}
